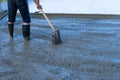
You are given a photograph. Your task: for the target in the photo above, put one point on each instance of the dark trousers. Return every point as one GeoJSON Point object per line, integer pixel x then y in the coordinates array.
{"type": "Point", "coordinates": [22, 6]}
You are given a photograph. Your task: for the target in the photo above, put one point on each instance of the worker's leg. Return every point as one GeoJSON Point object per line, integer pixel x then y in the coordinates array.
{"type": "Point", "coordinates": [12, 9]}
{"type": "Point", "coordinates": [24, 10]}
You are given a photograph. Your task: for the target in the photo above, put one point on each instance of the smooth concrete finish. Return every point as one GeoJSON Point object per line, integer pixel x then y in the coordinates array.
{"type": "Point", "coordinates": [90, 49]}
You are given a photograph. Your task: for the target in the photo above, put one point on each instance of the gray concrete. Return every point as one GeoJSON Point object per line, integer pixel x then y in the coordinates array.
{"type": "Point", "coordinates": [90, 49]}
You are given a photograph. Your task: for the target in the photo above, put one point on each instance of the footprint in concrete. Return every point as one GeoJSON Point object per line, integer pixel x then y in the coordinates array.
{"type": "Point", "coordinates": [55, 71]}
{"type": "Point", "coordinates": [72, 77]}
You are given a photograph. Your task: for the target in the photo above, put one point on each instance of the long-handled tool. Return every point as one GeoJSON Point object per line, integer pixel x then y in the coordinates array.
{"type": "Point", "coordinates": [5, 14]}
{"type": "Point", "coordinates": [56, 39]}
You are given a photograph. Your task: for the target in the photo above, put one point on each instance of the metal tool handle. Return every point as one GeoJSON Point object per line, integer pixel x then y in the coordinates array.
{"type": "Point", "coordinates": [54, 29]}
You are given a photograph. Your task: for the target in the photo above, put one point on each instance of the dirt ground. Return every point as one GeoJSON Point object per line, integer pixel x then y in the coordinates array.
{"type": "Point", "coordinates": [90, 49]}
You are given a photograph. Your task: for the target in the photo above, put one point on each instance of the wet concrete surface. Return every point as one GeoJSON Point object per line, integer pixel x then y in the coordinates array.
{"type": "Point", "coordinates": [89, 51]}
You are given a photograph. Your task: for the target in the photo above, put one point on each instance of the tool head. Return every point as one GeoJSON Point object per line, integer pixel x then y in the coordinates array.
{"type": "Point", "coordinates": [56, 39]}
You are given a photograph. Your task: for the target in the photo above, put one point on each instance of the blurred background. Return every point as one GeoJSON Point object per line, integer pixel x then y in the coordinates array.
{"type": "Point", "coordinates": [74, 6]}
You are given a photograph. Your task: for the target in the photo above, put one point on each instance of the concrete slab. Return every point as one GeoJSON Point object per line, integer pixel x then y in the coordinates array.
{"type": "Point", "coordinates": [90, 49]}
